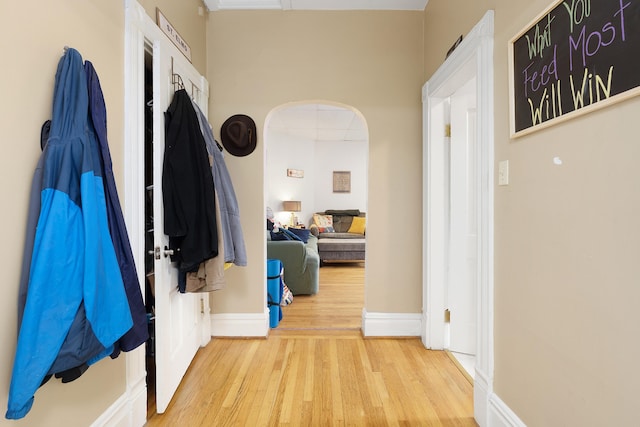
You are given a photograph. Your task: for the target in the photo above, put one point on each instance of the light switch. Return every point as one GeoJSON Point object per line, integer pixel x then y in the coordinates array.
{"type": "Point", "coordinates": [503, 172]}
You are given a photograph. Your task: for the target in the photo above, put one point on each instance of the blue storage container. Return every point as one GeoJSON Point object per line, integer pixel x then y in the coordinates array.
{"type": "Point", "coordinates": [274, 291]}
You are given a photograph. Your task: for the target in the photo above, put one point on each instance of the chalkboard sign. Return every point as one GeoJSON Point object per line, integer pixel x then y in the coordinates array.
{"type": "Point", "coordinates": [578, 55]}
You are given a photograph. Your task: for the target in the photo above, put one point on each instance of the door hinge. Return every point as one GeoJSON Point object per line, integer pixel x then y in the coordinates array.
{"type": "Point", "coordinates": [447, 130]}
{"type": "Point", "coordinates": [201, 306]}
{"type": "Point", "coordinates": [447, 316]}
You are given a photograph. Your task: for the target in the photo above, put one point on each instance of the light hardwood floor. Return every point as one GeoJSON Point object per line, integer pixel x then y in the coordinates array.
{"type": "Point", "coordinates": [315, 369]}
{"type": "Point", "coordinates": [338, 304]}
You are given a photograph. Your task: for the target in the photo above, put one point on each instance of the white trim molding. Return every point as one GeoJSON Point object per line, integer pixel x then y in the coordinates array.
{"type": "Point", "coordinates": [473, 57]}
{"type": "Point", "coordinates": [214, 5]}
{"type": "Point", "coordinates": [240, 324]}
{"type": "Point", "coordinates": [391, 324]}
{"type": "Point", "coordinates": [130, 409]}
{"type": "Point", "coordinates": [500, 415]}
{"type": "Point", "coordinates": [117, 415]}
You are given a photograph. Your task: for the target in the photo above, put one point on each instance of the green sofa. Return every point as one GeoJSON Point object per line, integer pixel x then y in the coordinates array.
{"type": "Point", "coordinates": [301, 263]}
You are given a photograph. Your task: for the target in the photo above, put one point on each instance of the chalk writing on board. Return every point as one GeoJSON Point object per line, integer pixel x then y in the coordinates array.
{"type": "Point", "coordinates": [576, 54]}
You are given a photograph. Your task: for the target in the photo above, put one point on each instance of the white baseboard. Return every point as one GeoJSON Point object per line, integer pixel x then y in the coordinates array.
{"type": "Point", "coordinates": [373, 324]}
{"type": "Point", "coordinates": [488, 409]}
{"type": "Point", "coordinates": [240, 324]}
{"type": "Point", "coordinates": [500, 415]}
{"type": "Point", "coordinates": [116, 415]}
{"type": "Point", "coordinates": [129, 410]}
{"type": "Point", "coordinates": [481, 393]}
{"type": "Point", "coordinates": [391, 324]}
{"type": "Point", "coordinates": [138, 403]}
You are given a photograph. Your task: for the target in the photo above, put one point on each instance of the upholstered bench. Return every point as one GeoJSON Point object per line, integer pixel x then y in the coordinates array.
{"type": "Point", "coordinates": [336, 249]}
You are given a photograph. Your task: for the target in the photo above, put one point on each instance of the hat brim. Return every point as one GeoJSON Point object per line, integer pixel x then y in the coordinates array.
{"type": "Point", "coordinates": [249, 139]}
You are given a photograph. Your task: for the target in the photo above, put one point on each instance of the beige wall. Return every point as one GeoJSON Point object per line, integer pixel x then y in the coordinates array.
{"type": "Point", "coordinates": [258, 60]}
{"type": "Point", "coordinates": [32, 38]}
{"type": "Point", "coordinates": [566, 248]}
{"type": "Point", "coordinates": [566, 267]}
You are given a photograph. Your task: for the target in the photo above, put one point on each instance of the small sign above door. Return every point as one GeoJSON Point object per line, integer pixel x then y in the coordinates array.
{"type": "Point", "coordinates": [173, 35]}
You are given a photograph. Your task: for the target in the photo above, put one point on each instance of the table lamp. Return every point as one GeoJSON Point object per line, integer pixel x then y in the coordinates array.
{"type": "Point", "coordinates": [292, 206]}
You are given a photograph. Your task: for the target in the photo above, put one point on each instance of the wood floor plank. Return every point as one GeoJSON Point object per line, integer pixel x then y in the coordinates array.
{"type": "Point", "coordinates": [290, 385]}
{"type": "Point", "coordinates": [318, 370]}
{"type": "Point", "coordinates": [336, 393]}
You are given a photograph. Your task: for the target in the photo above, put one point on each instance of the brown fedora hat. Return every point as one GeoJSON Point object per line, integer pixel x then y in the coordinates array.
{"type": "Point", "coordinates": [238, 134]}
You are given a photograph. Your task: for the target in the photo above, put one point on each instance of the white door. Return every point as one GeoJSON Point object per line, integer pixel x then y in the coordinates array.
{"type": "Point", "coordinates": [181, 320]}
{"type": "Point", "coordinates": [463, 233]}
{"type": "Point", "coordinates": [181, 324]}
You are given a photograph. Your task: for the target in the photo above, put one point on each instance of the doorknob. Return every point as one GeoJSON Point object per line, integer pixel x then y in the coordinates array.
{"type": "Point", "coordinates": [155, 252]}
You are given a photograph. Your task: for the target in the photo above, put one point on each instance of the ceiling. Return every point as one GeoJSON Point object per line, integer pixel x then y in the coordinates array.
{"type": "Point", "coordinates": [214, 5]}
{"type": "Point", "coordinates": [319, 122]}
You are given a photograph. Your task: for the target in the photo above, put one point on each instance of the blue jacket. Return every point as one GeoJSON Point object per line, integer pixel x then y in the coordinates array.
{"type": "Point", "coordinates": [139, 333]}
{"type": "Point", "coordinates": [80, 347]}
{"type": "Point", "coordinates": [73, 264]}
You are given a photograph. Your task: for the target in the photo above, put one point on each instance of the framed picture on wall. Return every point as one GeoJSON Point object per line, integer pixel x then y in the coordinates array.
{"type": "Point", "coordinates": [295, 173]}
{"type": "Point", "coordinates": [342, 182]}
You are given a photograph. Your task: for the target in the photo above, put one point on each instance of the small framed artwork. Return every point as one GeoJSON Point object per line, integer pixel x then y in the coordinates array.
{"type": "Point", "coordinates": [295, 173]}
{"type": "Point", "coordinates": [342, 182]}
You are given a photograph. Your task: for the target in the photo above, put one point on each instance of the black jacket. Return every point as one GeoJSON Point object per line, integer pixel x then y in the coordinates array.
{"type": "Point", "coordinates": [187, 186]}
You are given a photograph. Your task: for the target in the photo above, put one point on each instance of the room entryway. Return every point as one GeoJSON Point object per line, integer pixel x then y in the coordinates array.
{"type": "Point", "coordinates": [458, 209]}
{"type": "Point", "coordinates": [306, 143]}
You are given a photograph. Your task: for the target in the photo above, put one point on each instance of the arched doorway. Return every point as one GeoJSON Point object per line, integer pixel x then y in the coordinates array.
{"type": "Point", "coordinates": [307, 143]}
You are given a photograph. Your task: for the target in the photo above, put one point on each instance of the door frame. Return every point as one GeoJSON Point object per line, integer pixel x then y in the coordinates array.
{"type": "Point", "coordinates": [134, 180]}
{"type": "Point", "coordinates": [139, 27]}
{"type": "Point", "coordinates": [460, 284]}
{"type": "Point", "coordinates": [474, 55]}
{"type": "Point", "coordinates": [268, 141]}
